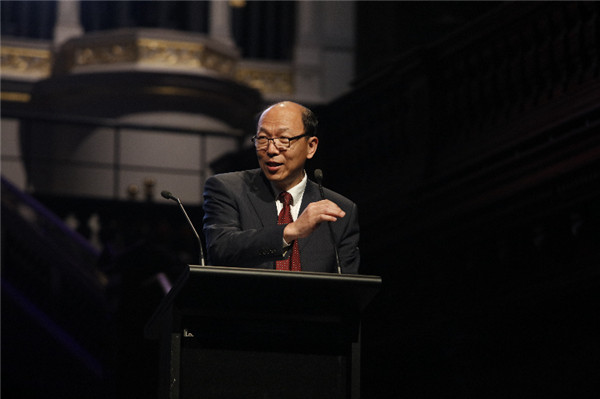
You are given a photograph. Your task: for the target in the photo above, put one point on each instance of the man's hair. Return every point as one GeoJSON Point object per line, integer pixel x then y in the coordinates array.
{"type": "Point", "coordinates": [309, 119]}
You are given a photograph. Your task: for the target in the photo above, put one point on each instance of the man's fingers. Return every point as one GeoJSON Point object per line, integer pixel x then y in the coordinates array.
{"type": "Point", "coordinates": [326, 207]}
{"type": "Point", "coordinates": [328, 218]}
{"type": "Point", "coordinates": [314, 214]}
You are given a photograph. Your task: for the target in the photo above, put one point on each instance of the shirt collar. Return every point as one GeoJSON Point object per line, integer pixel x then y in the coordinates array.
{"type": "Point", "coordinates": [297, 191]}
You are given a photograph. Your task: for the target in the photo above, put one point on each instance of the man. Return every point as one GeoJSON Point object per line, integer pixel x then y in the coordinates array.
{"type": "Point", "coordinates": [241, 222]}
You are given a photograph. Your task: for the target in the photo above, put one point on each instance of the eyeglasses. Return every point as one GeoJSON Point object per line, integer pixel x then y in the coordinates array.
{"type": "Point", "coordinates": [281, 143]}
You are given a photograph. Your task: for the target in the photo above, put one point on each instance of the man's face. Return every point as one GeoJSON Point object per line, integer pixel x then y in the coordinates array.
{"type": "Point", "coordinates": [285, 168]}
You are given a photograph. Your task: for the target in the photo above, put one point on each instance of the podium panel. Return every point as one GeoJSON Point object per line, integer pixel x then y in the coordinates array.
{"type": "Point", "coordinates": [223, 373]}
{"type": "Point", "coordinates": [231, 332]}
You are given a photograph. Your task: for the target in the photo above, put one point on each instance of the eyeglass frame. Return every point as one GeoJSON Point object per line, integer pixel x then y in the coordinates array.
{"type": "Point", "coordinates": [269, 139]}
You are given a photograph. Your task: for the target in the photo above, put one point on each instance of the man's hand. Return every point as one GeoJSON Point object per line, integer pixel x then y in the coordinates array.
{"type": "Point", "coordinates": [314, 214]}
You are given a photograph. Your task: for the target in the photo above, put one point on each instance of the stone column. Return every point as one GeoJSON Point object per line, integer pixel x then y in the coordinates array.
{"type": "Point", "coordinates": [307, 53]}
{"type": "Point", "coordinates": [220, 22]}
{"type": "Point", "coordinates": [67, 21]}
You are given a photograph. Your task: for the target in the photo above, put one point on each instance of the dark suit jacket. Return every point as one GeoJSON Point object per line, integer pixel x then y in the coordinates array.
{"type": "Point", "coordinates": [240, 226]}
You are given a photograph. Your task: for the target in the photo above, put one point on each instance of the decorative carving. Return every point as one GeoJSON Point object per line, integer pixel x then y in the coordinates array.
{"type": "Point", "coordinates": [160, 53]}
{"type": "Point", "coordinates": [187, 55]}
{"type": "Point", "coordinates": [25, 62]}
{"type": "Point", "coordinates": [104, 54]}
{"type": "Point", "coordinates": [267, 80]}
{"type": "Point", "coordinates": [15, 96]}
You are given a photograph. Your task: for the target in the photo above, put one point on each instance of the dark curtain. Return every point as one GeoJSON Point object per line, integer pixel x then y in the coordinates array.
{"type": "Point", "coordinates": [265, 29]}
{"type": "Point", "coordinates": [189, 16]}
{"type": "Point", "coordinates": [28, 19]}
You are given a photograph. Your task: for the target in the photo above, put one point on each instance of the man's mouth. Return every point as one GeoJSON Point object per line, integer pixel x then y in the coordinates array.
{"type": "Point", "coordinates": [273, 166]}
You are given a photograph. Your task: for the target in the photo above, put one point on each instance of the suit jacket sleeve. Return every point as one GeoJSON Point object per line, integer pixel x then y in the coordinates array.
{"type": "Point", "coordinates": [317, 250]}
{"type": "Point", "coordinates": [346, 231]}
{"type": "Point", "coordinates": [235, 234]}
{"type": "Point", "coordinates": [348, 243]}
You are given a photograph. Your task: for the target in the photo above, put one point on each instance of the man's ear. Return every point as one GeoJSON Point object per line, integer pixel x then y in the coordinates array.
{"type": "Point", "coordinates": [313, 143]}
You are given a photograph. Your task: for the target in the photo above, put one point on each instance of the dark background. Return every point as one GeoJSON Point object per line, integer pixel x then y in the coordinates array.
{"type": "Point", "coordinates": [470, 144]}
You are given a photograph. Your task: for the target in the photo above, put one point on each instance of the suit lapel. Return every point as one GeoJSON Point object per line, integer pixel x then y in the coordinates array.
{"type": "Point", "coordinates": [311, 194]}
{"type": "Point", "coordinates": [262, 199]}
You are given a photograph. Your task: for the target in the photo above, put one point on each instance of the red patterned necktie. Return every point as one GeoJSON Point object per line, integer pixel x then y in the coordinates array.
{"type": "Point", "coordinates": [285, 216]}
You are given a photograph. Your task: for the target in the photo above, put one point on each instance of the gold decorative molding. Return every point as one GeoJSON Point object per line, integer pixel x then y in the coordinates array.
{"type": "Point", "coordinates": [102, 55]}
{"type": "Point", "coordinates": [144, 49]}
{"type": "Point", "coordinates": [184, 54]}
{"type": "Point", "coordinates": [15, 96]}
{"type": "Point", "coordinates": [173, 91]}
{"type": "Point", "coordinates": [267, 80]}
{"type": "Point", "coordinates": [237, 3]}
{"type": "Point", "coordinates": [134, 49]}
{"type": "Point", "coordinates": [25, 62]}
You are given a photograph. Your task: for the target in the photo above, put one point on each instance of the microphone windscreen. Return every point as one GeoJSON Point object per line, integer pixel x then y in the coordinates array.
{"type": "Point", "coordinates": [166, 195]}
{"type": "Point", "coordinates": [319, 175]}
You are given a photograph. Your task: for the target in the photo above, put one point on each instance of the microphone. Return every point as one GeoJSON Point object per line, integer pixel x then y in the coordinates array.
{"type": "Point", "coordinates": [169, 196]}
{"type": "Point", "coordinates": [319, 179]}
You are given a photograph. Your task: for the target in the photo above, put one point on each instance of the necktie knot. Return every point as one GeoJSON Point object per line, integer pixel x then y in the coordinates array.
{"type": "Point", "coordinates": [285, 198]}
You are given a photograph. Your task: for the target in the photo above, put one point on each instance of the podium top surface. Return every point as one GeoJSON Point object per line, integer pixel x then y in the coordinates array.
{"type": "Point", "coordinates": [236, 291]}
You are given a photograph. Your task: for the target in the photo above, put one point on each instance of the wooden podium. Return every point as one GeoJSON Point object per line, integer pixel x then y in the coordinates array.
{"type": "Point", "coordinates": [252, 333]}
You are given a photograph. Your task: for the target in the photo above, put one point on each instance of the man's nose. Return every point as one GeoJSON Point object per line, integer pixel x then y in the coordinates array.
{"type": "Point", "coordinates": [271, 147]}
